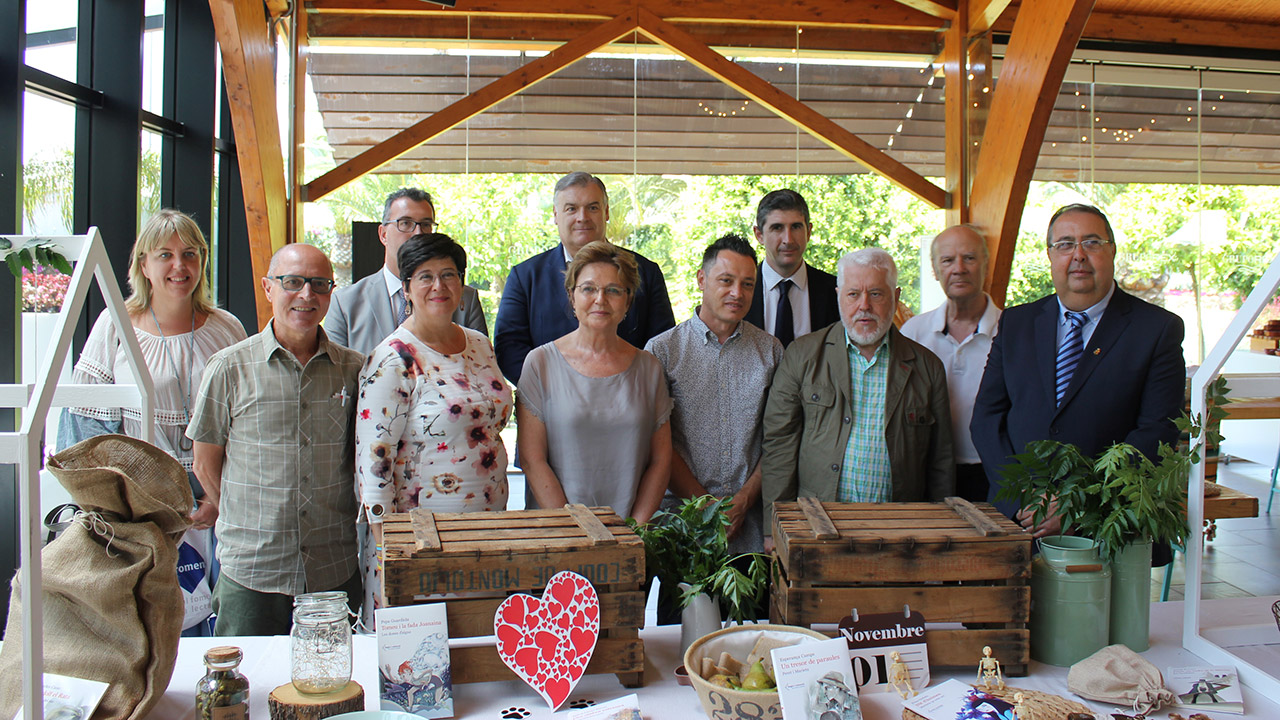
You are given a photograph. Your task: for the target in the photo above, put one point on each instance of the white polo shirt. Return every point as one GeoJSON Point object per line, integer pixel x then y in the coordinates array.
{"type": "Point", "coordinates": [965, 362]}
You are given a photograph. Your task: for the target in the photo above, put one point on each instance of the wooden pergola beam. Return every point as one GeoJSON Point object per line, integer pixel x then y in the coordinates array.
{"type": "Point", "coordinates": [983, 14]}
{"type": "Point", "coordinates": [1040, 47]}
{"type": "Point", "coordinates": [1149, 29]}
{"type": "Point", "coordinates": [248, 69]}
{"type": "Point", "coordinates": [956, 117]}
{"type": "Point", "coordinates": [807, 13]}
{"type": "Point", "coordinates": [789, 108]}
{"type": "Point", "coordinates": [943, 9]}
{"type": "Point", "coordinates": [469, 106]}
{"type": "Point", "coordinates": [370, 29]}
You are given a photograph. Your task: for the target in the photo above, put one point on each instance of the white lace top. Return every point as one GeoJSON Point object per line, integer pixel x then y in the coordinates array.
{"type": "Point", "coordinates": [103, 360]}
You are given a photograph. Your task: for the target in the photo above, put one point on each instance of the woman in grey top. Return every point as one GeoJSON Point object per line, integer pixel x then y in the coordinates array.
{"type": "Point", "coordinates": [591, 408]}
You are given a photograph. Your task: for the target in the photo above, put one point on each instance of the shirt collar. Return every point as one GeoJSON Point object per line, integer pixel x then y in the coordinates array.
{"type": "Point", "coordinates": [881, 351]}
{"type": "Point", "coordinates": [771, 278]}
{"type": "Point", "coordinates": [393, 283]}
{"type": "Point", "coordinates": [1094, 312]}
{"type": "Point", "coordinates": [270, 344]}
{"type": "Point", "coordinates": [986, 323]}
{"type": "Point", "coordinates": [708, 335]}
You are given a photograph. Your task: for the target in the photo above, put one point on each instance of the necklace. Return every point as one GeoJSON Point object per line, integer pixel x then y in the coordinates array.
{"type": "Point", "coordinates": [184, 443]}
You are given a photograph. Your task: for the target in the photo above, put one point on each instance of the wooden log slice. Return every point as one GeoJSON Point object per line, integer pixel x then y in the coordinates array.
{"type": "Point", "coordinates": [286, 703]}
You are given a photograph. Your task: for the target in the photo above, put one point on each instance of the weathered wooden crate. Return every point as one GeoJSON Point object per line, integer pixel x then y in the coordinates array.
{"type": "Point", "coordinates": [956, 562]}
{"type": "Point", "coordinates": [472, 561]}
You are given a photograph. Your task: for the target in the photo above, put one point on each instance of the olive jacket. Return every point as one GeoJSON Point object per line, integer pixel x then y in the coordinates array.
{"type": "Point", "coordinates": [808, 416]}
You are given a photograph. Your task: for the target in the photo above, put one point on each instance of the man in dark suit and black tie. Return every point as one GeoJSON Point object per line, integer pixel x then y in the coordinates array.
{"type": "Point", "coordinates": [792, 298]}
{"type": "Point", "coordinates": [1090, 365]}
{"type": "Point", "coordinates": [535, 308]}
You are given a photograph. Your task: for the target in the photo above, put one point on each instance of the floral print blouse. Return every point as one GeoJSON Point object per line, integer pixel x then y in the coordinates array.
{"type": "Point", "coordinates": [427, 428]}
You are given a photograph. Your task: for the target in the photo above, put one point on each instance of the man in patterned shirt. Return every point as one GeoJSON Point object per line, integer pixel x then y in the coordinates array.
{"type": "Point", "coordinates": [717, 368]}
{"type": "Point", "coordinates": [858, 412]}
{"type": "Point", "coordinates": [272, 429]}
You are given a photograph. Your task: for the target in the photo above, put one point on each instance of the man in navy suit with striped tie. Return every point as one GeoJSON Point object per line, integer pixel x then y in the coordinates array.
{"type": "Point", "coordinates": [1090, 365]}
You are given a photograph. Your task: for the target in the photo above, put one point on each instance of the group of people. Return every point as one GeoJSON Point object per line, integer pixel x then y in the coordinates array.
{"type": "Point", "coordinates": [786, 381]}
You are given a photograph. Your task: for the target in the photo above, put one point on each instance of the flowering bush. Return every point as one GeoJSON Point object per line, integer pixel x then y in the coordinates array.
{"type": "Point", "coordinates": [43, 290]}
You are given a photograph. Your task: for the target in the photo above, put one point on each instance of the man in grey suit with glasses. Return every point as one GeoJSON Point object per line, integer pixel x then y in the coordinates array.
{"type": "Point", "coordinates": [364, 313]}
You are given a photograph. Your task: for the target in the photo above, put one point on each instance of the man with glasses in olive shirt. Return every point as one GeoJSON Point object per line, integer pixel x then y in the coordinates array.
{"type": "Point", "coordinates": [366, 312]}
{"type": "Point", "coordinates": [273, 433]}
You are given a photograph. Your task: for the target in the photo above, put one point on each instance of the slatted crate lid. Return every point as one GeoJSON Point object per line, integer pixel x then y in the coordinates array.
{"type": "Point", "coordinates": [520, 551]}
{"type": "Point", "coordinates": [825, 543]}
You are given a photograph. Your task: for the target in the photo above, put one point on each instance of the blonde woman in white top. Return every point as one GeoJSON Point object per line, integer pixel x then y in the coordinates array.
{"type": "Point", "coordinates": [178, 327]}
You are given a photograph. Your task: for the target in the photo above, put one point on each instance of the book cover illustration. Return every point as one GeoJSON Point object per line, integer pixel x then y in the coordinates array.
{"type": "Point", "coordinates": [815, 681]}
{"type": "Point", "coordinates": [413, 660]}
{"type": "Point", "coordinates": [69, 698]}
{"type": "Point", "coordinates": [1206, 688]}
{"type": "Point", "coordinates": [954, 700]}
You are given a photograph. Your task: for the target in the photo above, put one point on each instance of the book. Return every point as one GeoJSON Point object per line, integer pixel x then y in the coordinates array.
{"type": "Point", "coordinates": [1216, 689]}
{"type": "Point", "coordinates": [954, 700]}
{"type": "Point", "coordinates": [69, 698]}
{"type": "Point", "coordinates": [815, 680]}
{"type": "Point", "coordinates": [414, 673]}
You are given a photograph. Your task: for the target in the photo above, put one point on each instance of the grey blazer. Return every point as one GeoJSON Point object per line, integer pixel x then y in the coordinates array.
{"type": "Point", "coordinates": [360, 314]}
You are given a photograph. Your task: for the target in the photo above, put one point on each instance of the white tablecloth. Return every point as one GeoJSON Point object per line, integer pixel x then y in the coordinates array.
{"type": "Point", "coordinates": [266, 664]}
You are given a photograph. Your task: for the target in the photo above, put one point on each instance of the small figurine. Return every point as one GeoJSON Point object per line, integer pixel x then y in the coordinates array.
{"type": "Point", "coordinates": [989, 669]}
{"type": "Point", "coordinates": [1020, 709]}
{"type": "Point", "coordinates": [899, 676]}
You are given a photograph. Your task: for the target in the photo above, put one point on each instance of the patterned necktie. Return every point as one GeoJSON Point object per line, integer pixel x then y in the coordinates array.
{"type": "Point", "coordinates": [1070, 352]}
{"type": "Point", "coordinates": [400, 308]}
{"type": "Point", "coordinates": [784, 325]}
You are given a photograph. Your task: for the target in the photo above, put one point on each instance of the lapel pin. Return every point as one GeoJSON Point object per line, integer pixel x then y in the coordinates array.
{"type": "Point", "coordinates": [1097, 351]}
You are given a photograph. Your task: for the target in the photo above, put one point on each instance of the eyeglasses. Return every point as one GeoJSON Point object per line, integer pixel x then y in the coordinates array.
{"type": "Point", "coordinates": [1068, 247]}
{"type": "Point", "coordinates": [405, 224]}
{"type": "Point", "coordinates": [295, 283]}
{"type": "Point", "coordinates": [448, 277]}
{"type": "Point", "coordinates": [612, 292]}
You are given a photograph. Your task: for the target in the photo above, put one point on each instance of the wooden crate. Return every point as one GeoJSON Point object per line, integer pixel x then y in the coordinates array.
{"type": "Point", "coordinates": [472, 561]}
{"type": "Point", "coordinates": [956, 562]}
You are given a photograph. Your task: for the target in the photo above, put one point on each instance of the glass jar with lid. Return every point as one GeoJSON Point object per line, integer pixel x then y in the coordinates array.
{"type": "Point", "coordinates": [223, 693]}
{"type": "Point", "coordinates": [320, 642]}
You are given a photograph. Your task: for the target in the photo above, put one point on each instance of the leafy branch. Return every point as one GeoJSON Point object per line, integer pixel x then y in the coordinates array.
{"type": "Point", "coordinates": [691, 545]}
{"type": "Point", "coordinates": [1121, 496]}
{"type": "Point", "coordinates": [31, 253]}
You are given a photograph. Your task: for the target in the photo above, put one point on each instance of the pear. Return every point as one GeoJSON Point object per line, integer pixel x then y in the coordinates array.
{"type": "Point", "coordinates": [722, 680]}
{"type": "Point", "coordinates": [758, 679]}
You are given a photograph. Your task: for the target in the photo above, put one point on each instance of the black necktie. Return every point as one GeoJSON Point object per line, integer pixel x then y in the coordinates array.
{"type": "Point", "coordinates": [784, 326]}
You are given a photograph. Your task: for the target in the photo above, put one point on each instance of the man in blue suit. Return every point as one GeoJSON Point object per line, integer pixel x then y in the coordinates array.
{"type": "Point", "coordinates": [792, 298]}
{"type": "Point", "coordinates": [1090, 365]}
{"type": "Point", "coordinates": [535, 308]}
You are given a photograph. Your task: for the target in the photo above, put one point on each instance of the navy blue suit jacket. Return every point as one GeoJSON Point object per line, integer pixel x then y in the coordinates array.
{"type": "Point", "coordinates": [824, 308]}
{"type": "Point", "coordinates": [1128, 387]}
{"type": "Point", "coordinates": [535, 309]}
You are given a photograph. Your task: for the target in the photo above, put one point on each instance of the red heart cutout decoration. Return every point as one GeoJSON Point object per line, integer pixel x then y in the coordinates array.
{"type": "Point", "coordinates": [548, 644]}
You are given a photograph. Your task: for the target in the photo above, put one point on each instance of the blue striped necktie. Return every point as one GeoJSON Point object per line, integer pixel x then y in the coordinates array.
{"type": "Point", "coordinates": [1071, 350]}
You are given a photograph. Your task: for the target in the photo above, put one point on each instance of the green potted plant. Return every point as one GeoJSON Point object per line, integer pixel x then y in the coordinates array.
{"type": "Point", "coordinates": [688, 547]}
{"type": "Point", "coordinates": [1122, 500]}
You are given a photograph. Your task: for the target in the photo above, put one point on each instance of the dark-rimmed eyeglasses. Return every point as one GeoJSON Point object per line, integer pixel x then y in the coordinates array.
{"type": "Point", "coordinates": [295, 283]}
{"type": "Point", "coordinates": [407, 225]}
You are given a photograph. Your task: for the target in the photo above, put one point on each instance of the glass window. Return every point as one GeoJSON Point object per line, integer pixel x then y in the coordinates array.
{"type": "Point", "coordinates": [51, 37]}
{"type": "Point", "coordinates": [148, 176]}
{"type": "Point", "coordinates": [153, 39]}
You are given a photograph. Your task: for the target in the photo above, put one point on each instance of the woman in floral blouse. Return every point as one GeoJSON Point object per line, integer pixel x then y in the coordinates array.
{"type": "Point", "coordinates": [431, 406]}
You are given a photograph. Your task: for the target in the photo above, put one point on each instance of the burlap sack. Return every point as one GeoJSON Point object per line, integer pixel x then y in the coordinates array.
{"type": "Point", "coordinates": [1117, 675]}
{"type": "Point", "coordinates": [112, 604]}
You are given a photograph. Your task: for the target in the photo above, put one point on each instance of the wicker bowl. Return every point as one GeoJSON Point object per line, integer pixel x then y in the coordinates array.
{"type": "Point", "coordinates": [720, 703]}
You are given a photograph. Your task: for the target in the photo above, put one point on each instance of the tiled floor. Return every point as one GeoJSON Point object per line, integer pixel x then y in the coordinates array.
{"type": "Point", "coordinates": [1244, 559]}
